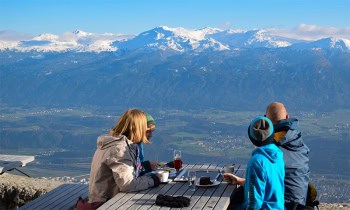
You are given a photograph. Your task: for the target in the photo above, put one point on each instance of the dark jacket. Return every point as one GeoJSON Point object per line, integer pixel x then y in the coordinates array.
{"type": "Point", "coordinates": [296, 160]}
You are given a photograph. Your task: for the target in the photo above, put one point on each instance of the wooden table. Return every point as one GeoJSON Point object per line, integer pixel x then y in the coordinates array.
{"type": "Point", "coordinates": [10, 162]}
{"type": "Point", "coordinates": [208, 198]}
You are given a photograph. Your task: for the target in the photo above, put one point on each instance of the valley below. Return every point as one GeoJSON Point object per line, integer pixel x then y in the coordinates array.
{"type": "Point", "coordinates": [63, 141]}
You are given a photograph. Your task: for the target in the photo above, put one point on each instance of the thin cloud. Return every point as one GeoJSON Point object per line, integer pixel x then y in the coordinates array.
{"type": "Point", "coordinates": [225, 25]}
{"type": "Point", "coordinates": [312, 32]}
{"type": "Point", "coordinates": [8, 35]}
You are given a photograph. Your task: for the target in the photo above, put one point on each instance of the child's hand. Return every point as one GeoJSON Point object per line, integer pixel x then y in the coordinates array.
{"type": "Point", "coordinates": [233, 179]}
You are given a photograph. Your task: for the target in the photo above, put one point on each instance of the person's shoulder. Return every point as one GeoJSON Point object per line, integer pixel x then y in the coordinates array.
{"type": "Point", "coordinates": [257, 160]}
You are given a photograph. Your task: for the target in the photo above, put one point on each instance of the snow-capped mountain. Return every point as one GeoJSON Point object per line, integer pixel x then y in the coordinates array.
{"type": "Point", "coordinates": [250, 39]}
{"type": "Point", "coordinates": [327, 43]}
{"type": "Point", "coordinates": [77, 40]}
{"type": "Point", "coordinates": [163, 38]}
{"type": "Point", "coordinates": [177, 39]}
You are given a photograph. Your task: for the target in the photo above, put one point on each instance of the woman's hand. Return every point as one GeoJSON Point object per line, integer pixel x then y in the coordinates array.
{"type": "Point", "coordinates": [154, 165]}
{"type": "Point", "coordinates": [233, 179]}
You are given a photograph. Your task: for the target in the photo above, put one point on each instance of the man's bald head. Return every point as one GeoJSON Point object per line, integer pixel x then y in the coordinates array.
{"type": "Point", "coordinates": [276, 112]}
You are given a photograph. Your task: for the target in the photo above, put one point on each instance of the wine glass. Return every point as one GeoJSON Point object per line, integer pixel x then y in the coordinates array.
{"type": "Point", "coordinates": [192, 179]}
{"type": "Point", "coordinates": [177, 160]}
{"type": "Point", "coordinates": [221, 172]}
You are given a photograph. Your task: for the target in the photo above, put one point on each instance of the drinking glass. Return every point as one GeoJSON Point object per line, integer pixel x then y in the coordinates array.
{"type": "Point", "coordinates": [192, 179]}
{"type": "Point", "coordinates": [221, 172]}
{"type": "Point", "coordinates": [177, 160]}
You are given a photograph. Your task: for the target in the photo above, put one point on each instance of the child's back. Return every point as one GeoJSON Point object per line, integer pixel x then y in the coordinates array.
{"type": "Point", "coordinates": [264, 185]}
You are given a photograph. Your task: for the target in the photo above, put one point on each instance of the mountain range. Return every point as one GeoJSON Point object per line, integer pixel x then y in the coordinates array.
{"type": "Point", "coordinates": [164, 38]}
{"type": "Point", "coordinates": [176, 68]}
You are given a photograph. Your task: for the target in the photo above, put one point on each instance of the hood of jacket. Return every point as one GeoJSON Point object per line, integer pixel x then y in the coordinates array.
{"type": "Point", "coordinates": [287, 124]}
{"type": "Point", "coordinates": [106, 141]}
{"type": "Point", "coordinates": [291, 138]}
{"type": "Point", "coordinates": [270, 151]}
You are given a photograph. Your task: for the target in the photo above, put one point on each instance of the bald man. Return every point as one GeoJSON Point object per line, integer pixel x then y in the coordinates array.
{"type": "Point", "coordinates": [295, 153]}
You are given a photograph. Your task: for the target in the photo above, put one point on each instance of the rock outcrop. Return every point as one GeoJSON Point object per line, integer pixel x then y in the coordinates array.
{"type": "Point", "coordinates": [334, 206]}
{"type": "Point", "coordinates": [17, 190]}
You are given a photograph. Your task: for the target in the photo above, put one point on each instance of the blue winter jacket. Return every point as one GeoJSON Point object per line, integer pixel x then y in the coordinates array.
{"type": "Point", "coordinates": [264, 186]}
{"type": "Point", "coordinates": [296, 160]}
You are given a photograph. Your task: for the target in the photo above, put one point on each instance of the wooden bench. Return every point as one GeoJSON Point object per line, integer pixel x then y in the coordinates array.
{"type": "Point", "coordinates": [63, 197]}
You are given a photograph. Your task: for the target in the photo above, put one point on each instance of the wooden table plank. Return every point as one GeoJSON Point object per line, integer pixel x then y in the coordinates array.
{"type": "Point", "coordinates": [50, 195]}
{"type": "Point", "coordinates": [62, 197]}
{"type": "Point", "coordinates": [212, 202]}
{"type": "Point", "coordinates": [195, 196]}
{"type": "Point", "coordinates": [173, 189]}
{"type": "Point", "coordinates": [67, 195]}
{"type": "Point", "coordinates": [207, 194]}
{"type": "Point", "coordinates": [137, 196]}
{"type": "Point", "coordinates": [152, 198]}
{"type": "Point", "coordinates": [223, 201]}
{"type": "Point", "coordinates": [203, 198]}
{"type": "Point", "coordinates": [171, 192]}
{"type": "Point", "coordinates": [122, 201]}
{"type": "Point", "coordinates": [140, 198]}
{"type": "Point", "coordinates": [214, 199]}
{"type": "Point", "coordinates": [67, 205]}
{"type": "Point", "coordinates": [182, 190]}
{"type": "Point", "coordinates": [111, 201]}
{"type": "Point", "coordinates": [148, 200]}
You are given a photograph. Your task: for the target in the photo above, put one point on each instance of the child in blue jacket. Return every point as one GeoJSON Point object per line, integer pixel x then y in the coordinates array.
{"type": "Point", "coordinates": [264, 182]}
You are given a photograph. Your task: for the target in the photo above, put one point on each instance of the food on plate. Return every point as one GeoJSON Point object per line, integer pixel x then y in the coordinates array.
{"type": "Point", "coordinates": [205, 180]}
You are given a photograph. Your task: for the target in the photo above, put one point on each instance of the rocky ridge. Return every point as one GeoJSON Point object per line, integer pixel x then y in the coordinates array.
{"type": "Point", "coordinates": [17, 190]}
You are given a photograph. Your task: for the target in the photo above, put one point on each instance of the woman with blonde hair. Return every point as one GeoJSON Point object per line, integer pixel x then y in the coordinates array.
{"type": "Point", "coordinates": [114, 165]}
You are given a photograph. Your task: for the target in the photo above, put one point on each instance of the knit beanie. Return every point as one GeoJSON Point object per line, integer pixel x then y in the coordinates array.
{"type": "Point", "coordinates": [260, 131]}
{"type": "Point", "coordinates": [150, 120]}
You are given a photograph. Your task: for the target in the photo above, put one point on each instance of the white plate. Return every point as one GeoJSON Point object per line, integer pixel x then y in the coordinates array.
{"type": "Point", "coordinates": [181, 179]}
{"type": "Point", "coordinates": [215, 183]}
{"type": "Point", "coordinates": [169, 180]}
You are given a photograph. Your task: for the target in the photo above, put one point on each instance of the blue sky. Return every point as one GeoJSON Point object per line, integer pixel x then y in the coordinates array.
{"type": "Point", "coordinates": [132, 17]}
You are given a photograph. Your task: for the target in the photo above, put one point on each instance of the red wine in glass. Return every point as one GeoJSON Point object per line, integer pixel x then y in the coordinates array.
{"type": "Point", "coordinates": [177, 164]}
{"type": "Point", "coordinates": [177, 160]}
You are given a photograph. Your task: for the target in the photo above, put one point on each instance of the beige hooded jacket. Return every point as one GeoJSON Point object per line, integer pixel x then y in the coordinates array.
{"type": "Point", "coordinates": [113, 169]}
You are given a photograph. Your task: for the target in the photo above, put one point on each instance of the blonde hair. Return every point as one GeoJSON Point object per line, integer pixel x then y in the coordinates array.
{"type": "Point", "coordinates": [132, 124]}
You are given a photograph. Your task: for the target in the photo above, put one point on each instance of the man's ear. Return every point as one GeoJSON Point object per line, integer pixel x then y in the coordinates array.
{"type": "Point", "coordinates": [287, 116]}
